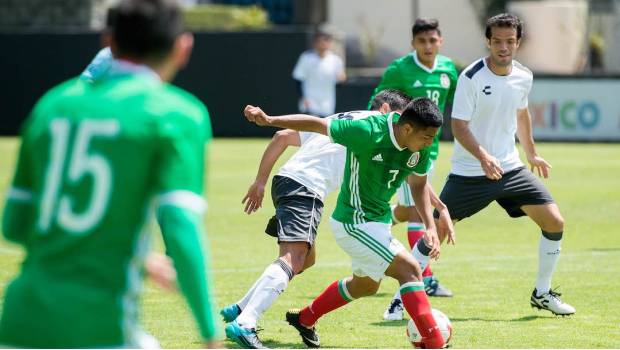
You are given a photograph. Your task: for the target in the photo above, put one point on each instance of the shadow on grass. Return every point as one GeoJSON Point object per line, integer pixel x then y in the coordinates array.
{"type": "Point", "coordinates": [400, 323]}
{"type": "Point", "coordinates": [520, 319]}
{"type": "Point", "coordinates": [605, 250]}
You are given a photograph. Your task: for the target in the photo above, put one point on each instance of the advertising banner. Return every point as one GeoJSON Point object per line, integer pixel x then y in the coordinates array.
{"type": "Point", "coordinates": [575, 109]}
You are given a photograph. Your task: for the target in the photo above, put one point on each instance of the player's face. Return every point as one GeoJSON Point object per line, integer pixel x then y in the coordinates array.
{"type": "Point", "coordinates": [503, 45]}
{"type": "Point", "coordinates": [427, 44]}
{"type": "Point", "coordinates": [322, 44]}
{"type": "Point", "coordinates": [420, 138]}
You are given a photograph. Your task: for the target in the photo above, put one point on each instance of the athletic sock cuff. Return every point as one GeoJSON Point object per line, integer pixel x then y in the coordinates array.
{"type": "Point", "coordinates": [552, 236]}
{"type": "Point", "coordinates": [284, 266]}
{"type": "Point", "coordinates": [422, 247]}
{"type": "Point", "coordinates": [344, 292]}
{"type": "Point", "coordinates": [411, 287]}
{"type": "Point", "coordinates": [415, 226]}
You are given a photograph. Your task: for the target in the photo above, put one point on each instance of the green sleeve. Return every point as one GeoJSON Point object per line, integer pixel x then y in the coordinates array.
{"type": "Point", "coordinates": [181, 229]}
{"type": "Point", "coordinates": [353, 134]}
{"type": "Point", "coordinates": [454, 76]}
{"type": "Point", "coordinates": [391, 79]}
{"type": "Point", "coordinates": [18, 218]}
{"type": "Point", "coordinates": [180, 178]}
{"type": "Point", "coordinates": [423, 165]}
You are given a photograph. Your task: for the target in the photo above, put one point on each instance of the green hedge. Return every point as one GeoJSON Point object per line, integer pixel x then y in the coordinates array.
{"type": "Point", "coordinates": [225, 17]}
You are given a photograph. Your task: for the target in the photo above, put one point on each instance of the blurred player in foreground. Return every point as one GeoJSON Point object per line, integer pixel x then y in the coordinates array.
{"type": "Point", "coordinates": [93, 158]}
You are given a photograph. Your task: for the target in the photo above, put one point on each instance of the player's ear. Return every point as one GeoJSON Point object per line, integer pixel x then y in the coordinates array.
{"type": "Point", "coordinates": [488, 43]}
{"type": "Point", "coordinates": [385, 108]}
{"type": "Point", "coordinates": [182, 49]}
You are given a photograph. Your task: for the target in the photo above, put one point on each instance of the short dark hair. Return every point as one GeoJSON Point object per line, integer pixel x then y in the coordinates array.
{"type": "Point", "coordinates": [422, 112]}
{"type": "Point", "coordinates": [146, 29]}
{"type": "Point", "coordinates": [424, 25]}
{"type": "Point", "coordinates": [397, 100]}
{"type": "Point", "coordinates": [504, 20]}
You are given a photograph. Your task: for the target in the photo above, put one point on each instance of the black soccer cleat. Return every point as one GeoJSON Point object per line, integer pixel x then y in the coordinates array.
{"type": "Point", "coordinates": [308, 335]}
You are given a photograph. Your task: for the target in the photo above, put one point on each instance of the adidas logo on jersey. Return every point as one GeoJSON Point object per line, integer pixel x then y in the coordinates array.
{"type": "Point", "coordinates": [417, 84]}
{"type": "Point", "coordinates": [378, 158]}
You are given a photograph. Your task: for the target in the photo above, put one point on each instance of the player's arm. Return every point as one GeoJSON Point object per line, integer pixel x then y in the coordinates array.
{"type": "Point", "coordinates": [445, 226]}
{"type": "Point", "coordinates": [279, 143]}
{"type": "Point", "coordinates": [179, 209]}
{"type": "Point", "coordinates": [421, 197]}
{"type": "Point", "coordinates": [464, 105]}
{"type": "Point", "coordinates": [526, 139]}
{"type": "Point", "coordinates": [299, 122]}
{"type": "Point", "coordinates": [19, 212]}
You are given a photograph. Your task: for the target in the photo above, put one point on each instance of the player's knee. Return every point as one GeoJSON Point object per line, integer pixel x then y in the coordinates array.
{"type": "Point", "coordinates": [554, 224]}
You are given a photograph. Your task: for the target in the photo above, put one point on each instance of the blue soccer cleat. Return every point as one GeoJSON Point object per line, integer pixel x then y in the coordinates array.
{"type": "Point", "coordinates": [247, 338]}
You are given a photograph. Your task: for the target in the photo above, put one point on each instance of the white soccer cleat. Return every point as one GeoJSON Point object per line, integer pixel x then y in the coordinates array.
{"type": "Point", "coordinates": [551, 301]}
{"type": "Point", "coordinates": [394, 312]}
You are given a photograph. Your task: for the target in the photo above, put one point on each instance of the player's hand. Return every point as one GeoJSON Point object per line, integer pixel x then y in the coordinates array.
{"type": "Point", "coordinates": [432, 240]}
{"type": "Point", "coordinates": [254, 198]}
{"type": "Point", "coordinates": [160, 270]}
{"type": "Point", "coordinates": [256, 115]}
{"type": "Point", "coordinates": [491, 167]}
{"type": "Point", "coordinates": [541, 166]}
{"type": "Point", "coordinates": [445, 227]}
{"type": "Point", "coordinates": [306, 103]}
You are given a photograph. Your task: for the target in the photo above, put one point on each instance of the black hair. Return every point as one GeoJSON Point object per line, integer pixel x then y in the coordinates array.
{"type": "Point", "coordinates": [146, 29]}
{"type": "Point", "coordinates": [504, 20]}
{"type": "Point", "coordinates": [397, 100]}
{"type": "Point", "coordinates": [322, 34]}
{"type": "Point", "coordinates": [423, 25]}
{"type": "Point", "coordinates": [421, 112]}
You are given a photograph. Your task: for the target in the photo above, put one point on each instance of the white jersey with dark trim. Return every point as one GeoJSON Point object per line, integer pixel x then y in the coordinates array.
{"type": "Point", "coordinates": [489, 102]}
{"type": "Point", "coordinates": [319, 163]}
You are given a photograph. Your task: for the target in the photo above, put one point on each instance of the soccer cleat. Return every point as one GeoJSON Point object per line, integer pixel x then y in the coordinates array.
{"type": "Point", "coordinates": [434, 289]}
{"type": "Point", "coordinates": [551, 301]}
{"type": "Point", "coordinates": [230, 312]}
{"type": "Point", "coordinates": [308, 335]}
{"type": "Point", "coordinates": [247, 338]}
{"type": "Point", "coordinates": [394, 312]}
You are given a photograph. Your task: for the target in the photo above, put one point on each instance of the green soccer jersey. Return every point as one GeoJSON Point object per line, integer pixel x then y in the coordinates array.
{"type": "Point", "coordinates": [375, 167]}
{"type": "Point", "coordinates": [94, 159]}
{"type": "Point", "coordinates": [408, 75]}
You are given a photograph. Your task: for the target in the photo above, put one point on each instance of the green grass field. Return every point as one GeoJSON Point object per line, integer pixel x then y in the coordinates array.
{"type": "Point", "coordinates": [492, 268]}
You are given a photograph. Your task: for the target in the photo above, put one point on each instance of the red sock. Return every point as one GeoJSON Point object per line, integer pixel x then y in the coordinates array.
{"type": "Point", "coordinates": [333, 297]}
{"type": "Point", "coordinates": [413, 236]}
{"type": "Point", "coordinates": [417, 305]}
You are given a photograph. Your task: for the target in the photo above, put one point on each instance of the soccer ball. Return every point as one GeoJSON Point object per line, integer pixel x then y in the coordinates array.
{"type": "Point", "coordinates": [443, 322]}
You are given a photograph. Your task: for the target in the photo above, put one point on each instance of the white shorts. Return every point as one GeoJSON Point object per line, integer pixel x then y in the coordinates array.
{"type": "Point", "coordinates": [370, 246]}
{"type": "Point", "coordinates": [405, 198]}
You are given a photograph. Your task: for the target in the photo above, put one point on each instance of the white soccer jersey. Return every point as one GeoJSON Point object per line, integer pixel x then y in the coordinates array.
{"type": "Point", "coordinates": [489, 102]}
{"type": "Point", "coordinates": [319, 163]}
{"type": "Point", "coordinates": [319, 77]}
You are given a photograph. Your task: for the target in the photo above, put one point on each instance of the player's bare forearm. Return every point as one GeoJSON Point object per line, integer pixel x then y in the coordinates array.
{"type": "Point", "coordinates": [524, 132]}
{"type": "Point", "coordinates": [279, 143]}
{"type": "Point", "coordinates": [435, 201]}
{"type": "Point", "coordinates": [299, 122]}
{"type": "Point", "coordinates": [422, 200]}
{"type": "Point", "coordinates": [461, 132]}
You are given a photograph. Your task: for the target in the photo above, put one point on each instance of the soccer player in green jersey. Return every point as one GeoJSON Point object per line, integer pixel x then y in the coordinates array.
{"type": "Point", "coordinates": [421, 73]}
{"type": "Point", "coordinates": [382, 151]}
{"type": "Point", "coordinates": [94, 159]}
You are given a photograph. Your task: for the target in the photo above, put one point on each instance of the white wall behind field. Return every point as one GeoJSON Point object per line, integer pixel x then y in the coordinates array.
{"type": "Point", "coordinates": [388, 23]}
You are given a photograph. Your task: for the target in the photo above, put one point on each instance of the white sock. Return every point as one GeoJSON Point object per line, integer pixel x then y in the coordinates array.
{"type": "Point", "coordinates": [548, 255]}
{"type": "Point", "coordinates": [248, 295]}
{"type": "Point", "coordinates": [267, 289]}
{"type": "Point", "coordinates": [421, 256]}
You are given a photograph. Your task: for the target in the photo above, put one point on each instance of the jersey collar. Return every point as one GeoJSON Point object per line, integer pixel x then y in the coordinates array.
{"type": "Point", "coordinates": [121, 67]}
{"type": "Point", "coordinates": [391, 127]}
{"type": "Point", "coordinates": [419, 64]}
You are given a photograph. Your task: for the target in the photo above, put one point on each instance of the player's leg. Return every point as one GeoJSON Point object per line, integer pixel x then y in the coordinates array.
{"type": "Point", "coordinates": [525, 194]}
{"type": "Point", "coordinates": [371, 248]}
{"type": "Point", "coordinates": [298, 213]}
{"type": "Point", "coordinates": [406, 270]}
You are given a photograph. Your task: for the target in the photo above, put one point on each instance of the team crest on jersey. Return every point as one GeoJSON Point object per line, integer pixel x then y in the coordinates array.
{"type": "Point", "coordinates": [444, 79]}
{"type": "Point", "coordinates": [413, 160]}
